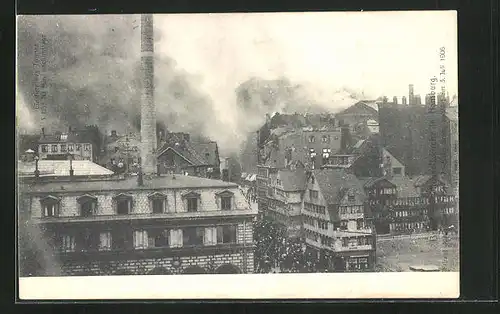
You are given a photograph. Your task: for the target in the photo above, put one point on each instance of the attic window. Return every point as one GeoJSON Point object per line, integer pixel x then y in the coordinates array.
{"type": "Point", "coordinates": [64, 137]}
{"type": "Point", "coordinates": [207, 155]}
{"type": "Point", "coordinates": [312, 139]}
{"type": "Point", "coordinates": [396, 170]}
{"type": "Point", "coordinates": [87, 205]}
{"type": "Point", "coordinates": [50, 206]}
{"type": "Point", "coordinates": [192, 201]}
{"type": "Point", "coordinates": [123, 204]}
{"type": "Point", "coordinates": [350, 197]}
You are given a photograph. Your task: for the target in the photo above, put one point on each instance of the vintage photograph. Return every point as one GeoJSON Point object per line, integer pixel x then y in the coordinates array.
{"type": "Point", "coordinates": [243, 143]}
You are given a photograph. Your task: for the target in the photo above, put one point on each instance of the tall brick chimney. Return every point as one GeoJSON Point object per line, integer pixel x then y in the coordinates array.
{"type": "Point", "coordinates": [395, 100]}
{"type": "Point", "coordinates": [148, 109]}
{"type": "Point", "coordinates": [403, 100]}
{"type": "Point", "coordinates": [411, 95]}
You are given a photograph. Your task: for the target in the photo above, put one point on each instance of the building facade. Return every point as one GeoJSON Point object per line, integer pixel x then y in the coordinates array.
{"type": "Point", "coordinates": [285, 192]}
{"type": "Point", "coordinates": [59, 146]}
{"type": "Point", "coordinates": [336, 222]}
{"type": "Point", "coordinates": [401, 205]}
{"type": "Point", "coordinates": [152, 225]}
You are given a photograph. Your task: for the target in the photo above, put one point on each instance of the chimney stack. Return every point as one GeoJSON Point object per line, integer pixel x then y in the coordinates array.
{"type": "Point", "coordinates": [418, 101]}
{"type": "Point", "coordinates": [148, 109]}
{"type": "Point", "coordinates": [403, 100]}
{"type": "Point", "coordinates": [140, 179]}
{"type": "Point", "coordinates": [43, 132]}
{"type": "Point", "coordinates": [411, 95]}
{"type": "Point", "coordinates": [344, 137]}
{"type": "Point", "coordinates": [395, 100]}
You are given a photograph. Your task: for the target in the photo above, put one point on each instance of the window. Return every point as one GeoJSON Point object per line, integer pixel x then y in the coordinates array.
{"type": "Point", "coordinates": [140, 239]}
{"type": "Point", "coordinates": [226, 234]}
{"type": "Point", "coordinates": [350, 198]}
{"type": "Point", "coordinates": [117, 149]}
{"type": "Point", "coordinates": [86, 147]}
{"type": "Point", "coordinates": [123, 204]}
{"type": "Point", "coordinates": [396, 171]}
{"type": "Point", "coordinates": [105, 241]}
{"type": "Point", "coordinates": [88, 241]}
{"type": "Point", "coordinates": [121, 240]}
{"type": "Point", "coordinates": [158, 206]}
{"type": "Point", "coordinates": [325, 139]}
{"type": "Point", "coordinates": [313, 194]}
{"type": "Point", "coordinates": [87, 209]}
{"type": "Point", "coordinates": [312, 180]}
{"type": "Point", "coordinates": [158, 237]}
{"type": "Point", "coordinates": [193, 236]}
{"type": "Point", "coordinates": [50, 206]}
{"type": "Point", "coordinates": [45, 148]}
{"type": "Point", "coordinates": [63, 148]}
{"type": "Point", "coordinates": [192, 204]}
{"type": "Point", "coordinates": [312, 139]}
{"type": "Point", "coordinates": [54, 148]}
{"type": "Point", "coordinates": [210, 236]}
{"type": "Point", "coordinates": [71, 147]}
{"type": "Point", "coordinates": [68, 243]}
{"type": "Point", "coordinates": [78, 146]}
{"type": "Point", "coordinates": [225, 203]}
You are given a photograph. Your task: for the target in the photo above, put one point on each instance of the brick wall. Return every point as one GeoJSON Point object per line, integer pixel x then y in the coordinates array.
{"type": "Point", "coordinates": [209, 263]}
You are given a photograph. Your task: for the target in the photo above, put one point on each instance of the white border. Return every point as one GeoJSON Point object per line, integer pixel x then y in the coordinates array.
{"type": "Point", "coordinates": [255, 286]}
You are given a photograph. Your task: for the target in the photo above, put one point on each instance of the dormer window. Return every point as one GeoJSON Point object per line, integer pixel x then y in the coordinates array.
{"type": "Point", "coordinates": [350, 197]}
{"type": "Point", "coordinates": [54, 148]}
{"type": "Point", "coordinates": [86, 147]}
{"type": "Point", "coordinates": [225, 200]}
{"type": "Point", "coordinates": [50, 206]}
{"type": "Point", "coordinates": [123, 203]}
{"type": "Point", "coordinates": [192, 201]}
{"type": "Point", "coordinates": [158, 202]}
{"type": "Point", "coordinates": [88, 205]}
{"type": "Point", "coordinates": [71, 147]}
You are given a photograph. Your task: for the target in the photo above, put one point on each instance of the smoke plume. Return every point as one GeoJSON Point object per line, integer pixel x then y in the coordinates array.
{"type": "Point", "coordinates": [94, 74]}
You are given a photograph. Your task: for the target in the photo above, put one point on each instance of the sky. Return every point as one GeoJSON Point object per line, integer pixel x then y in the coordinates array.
{"type": "Point", "coordinates": [370, 54]}
{"type": "Point", "coordinates": [375, 53]}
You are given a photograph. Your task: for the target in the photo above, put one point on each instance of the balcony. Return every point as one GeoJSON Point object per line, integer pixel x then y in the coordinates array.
{"type": "Point", "coordinates": [352, 216]}
{"type": "Point", "coordinates": [149, 216]}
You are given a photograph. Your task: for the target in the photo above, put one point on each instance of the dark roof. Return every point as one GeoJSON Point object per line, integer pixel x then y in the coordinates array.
{"type": "Point", "coordinates": [373, 181]}
{"type": "Point", "coordinates": [185, 150]}
{"type": "Point", "coordinates": [293, 180]}
{"type": "Point", "coordinates": [335, 182]}
{"type": "Point", "coordinates": [130, 183]}
{"type": "Point", "coordinates": [405, 186]}
{"type": "Point", "coordinates": [358, 107]}
{"type": "Point", "coordinates": [209, 148]}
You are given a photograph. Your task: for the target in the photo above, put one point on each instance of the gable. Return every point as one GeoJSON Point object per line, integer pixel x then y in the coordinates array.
{"type": "Point", "coordinates": [49, 199]}
{"type": "Point", "coordinates": [359, 108]}
{"type": "Point", "coordinates": [157, 195]}
{"type": "Point", "coordinates": [224, 193]}
{"type": "Point", "coordinates": [169, 151]}
{"type": "Point", "coordinates": [86, 198]}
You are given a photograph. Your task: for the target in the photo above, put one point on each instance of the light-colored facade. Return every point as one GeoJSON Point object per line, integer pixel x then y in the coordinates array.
{"type": "Point", "coordinates": [335, 222]}
{"type": "Point", "coordinates": [61, 145]}
{"type": "Point", "coordinates": [166, 225]}
{"type": "Point", "coordinates": [285, 191]}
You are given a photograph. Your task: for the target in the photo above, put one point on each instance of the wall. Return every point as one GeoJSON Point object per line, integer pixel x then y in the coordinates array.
{"type": "Point", "coordinates": [143, 266]}
{"type": "Point", "coordinates": [69, 206]}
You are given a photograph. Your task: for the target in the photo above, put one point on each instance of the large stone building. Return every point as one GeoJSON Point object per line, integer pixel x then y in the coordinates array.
{"type": "Point", "coordinates": [153, 225]}
{"type": "Point", "coordinates": [80, 144]}
{"type": "Point", "coordinates": [337, 224]}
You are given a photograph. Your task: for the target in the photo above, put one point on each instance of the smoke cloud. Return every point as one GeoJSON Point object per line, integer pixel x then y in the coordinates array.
{"type": "Point", "coordinates": [94, 75]}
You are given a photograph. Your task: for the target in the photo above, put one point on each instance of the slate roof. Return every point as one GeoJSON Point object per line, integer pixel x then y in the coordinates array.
{"type": "Point", "coordinates": [335, 182]}
{"type": "Point", "coordinates": [209, 148]}
{"type": "Point", "coordinates": [293, 180]}
{"type": "Point", "coordinates": [62, 138]}
{"type": "Point", "coordinates": [58, 168]}
{"type": "Point", "coordinates": [368, 106]}
{"type": "Point", "coordinates": [129, 183]}
{"type": "Point", "coordinates": [188, 152]}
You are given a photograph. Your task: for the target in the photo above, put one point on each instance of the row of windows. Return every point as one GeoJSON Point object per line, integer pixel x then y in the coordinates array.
{"type": "Point", "coordinates": [123, 205]}
{"type": "Point", "coordinates": [318, 209]}
{"type": "Point", "coordinates": [346, 241]}
{"type": "Point", "coordinates": [148, 238]}
{"type": "Point", "coordinates": [408, 226]}
{"type": "Point", "coordinates": [406, 213]}
{"type": "Point", "coordinates": [324, 138]}
{"type": "Point", "coordinates": [356, 209]}
{"type": "Point", "coordinates": [357, 263]}
{"type": "Point", "coordinates": [55, 148]}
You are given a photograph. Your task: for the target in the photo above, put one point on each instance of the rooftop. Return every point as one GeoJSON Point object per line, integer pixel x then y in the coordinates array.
{"type": "Point", "coordinates": [293, 181]}
{"type": "Point", "coordinates": [130, 183]}
{"type": "Point", "coordinates": [57, 168]}
{"type": "Point", "coordinates": [334, 183]}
